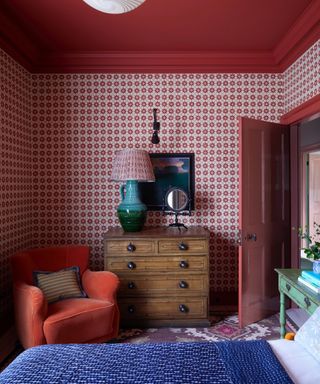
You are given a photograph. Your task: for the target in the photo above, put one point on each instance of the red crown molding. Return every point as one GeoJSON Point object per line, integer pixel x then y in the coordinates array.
{"type": "Point", "coordinates": [157, 62]}
{"type": "Point", "coordinates": [26, 51]}
{"type": "Point", "coordinates": [309, 108]}
{"type": "Point", "coordinates": [301, 36]}
{"type": "Point", "coordinates": [16, 43]}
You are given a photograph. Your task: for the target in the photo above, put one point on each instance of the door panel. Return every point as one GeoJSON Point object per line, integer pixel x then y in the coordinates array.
{"type": "Point", "coordinates": [264, 216]}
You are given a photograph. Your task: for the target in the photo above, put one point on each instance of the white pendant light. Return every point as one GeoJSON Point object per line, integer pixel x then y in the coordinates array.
{"type": "Point", "coordinates": [114, 6]}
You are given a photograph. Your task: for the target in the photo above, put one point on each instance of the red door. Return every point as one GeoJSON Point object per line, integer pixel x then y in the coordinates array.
{"type": "Point", "coordinates": [264, 216]}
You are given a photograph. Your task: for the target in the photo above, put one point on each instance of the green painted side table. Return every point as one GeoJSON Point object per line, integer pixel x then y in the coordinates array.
{"type": "Point", "coordinates": [301, 295]}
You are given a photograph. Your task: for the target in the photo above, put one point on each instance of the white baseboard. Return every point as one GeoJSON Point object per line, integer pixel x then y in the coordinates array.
{"type": "Point", "coordinates": [8, 343]}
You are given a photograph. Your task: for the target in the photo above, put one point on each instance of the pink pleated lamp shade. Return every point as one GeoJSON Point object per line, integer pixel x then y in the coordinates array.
{"type": "Point", "coordinates": [132, 164]}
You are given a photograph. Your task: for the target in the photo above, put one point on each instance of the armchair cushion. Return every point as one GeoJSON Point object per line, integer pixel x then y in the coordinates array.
{"type": "Point", "coordinates": [70, 318]}
{"type": "Point", "coordinates": [63, 284]}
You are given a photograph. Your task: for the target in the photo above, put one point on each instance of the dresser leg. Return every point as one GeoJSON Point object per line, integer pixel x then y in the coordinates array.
{"type": "Point", "coordinates": [282, 315]}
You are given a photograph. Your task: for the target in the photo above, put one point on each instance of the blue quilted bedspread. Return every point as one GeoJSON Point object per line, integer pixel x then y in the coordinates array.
{"type": "Point", "coordinates": [220, 362]}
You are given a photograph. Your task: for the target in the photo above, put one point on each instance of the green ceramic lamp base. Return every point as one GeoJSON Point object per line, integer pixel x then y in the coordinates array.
{"type": "Point", "coordinates": [132, 212]}
{"type": "Point", "coordinates": [132, 221]}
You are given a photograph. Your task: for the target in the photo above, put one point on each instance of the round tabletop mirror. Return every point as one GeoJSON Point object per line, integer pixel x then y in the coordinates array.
{"type": "Point", "coordinates": [177, 199]}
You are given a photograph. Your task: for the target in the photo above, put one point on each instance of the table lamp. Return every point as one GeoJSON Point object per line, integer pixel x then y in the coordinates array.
{"type": "Point", "coordinates": [132, 166]}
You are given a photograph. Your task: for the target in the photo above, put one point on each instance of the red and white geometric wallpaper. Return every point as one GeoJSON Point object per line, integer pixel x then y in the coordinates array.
{"type": "Point", "coordinates": [16, 205]}
{"type": "Point", "coordinates": [59, 135]}
{"type": "Point", "coordinates": [302, 78]}
{"type": "Point", "coordinates": [80, 121]}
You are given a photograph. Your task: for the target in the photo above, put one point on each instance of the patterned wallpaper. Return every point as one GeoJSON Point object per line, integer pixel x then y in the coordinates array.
{"type": "Point", "coordinates": [302, 78]}
{"type": "Point", "coordinates": [81, 120]}
{"type": "Point", "coordinates": [16, 204]}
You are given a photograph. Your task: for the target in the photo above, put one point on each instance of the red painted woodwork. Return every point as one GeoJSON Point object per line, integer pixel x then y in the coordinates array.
{"type": "Point", "coordinates": [302, 34]}
{"type": "Point", "coordinates": [161, 35]}
{"type": "Point", "coordinates": [294, 203]}
{"type": "Point", "coordinates": [158, 62]}
{"type": "Point", "coordinates": [314, 191]}
{"type": "Point", "coordinates": [264, 216]}
{"type": "Point", "coordinates": [303, 111]}
{"type": "Point", "coordinates": [16, 43]}
{"type": "Point", "coordinates": [309, 187]}
{"type": "Point", "coordinates": [297, 181]}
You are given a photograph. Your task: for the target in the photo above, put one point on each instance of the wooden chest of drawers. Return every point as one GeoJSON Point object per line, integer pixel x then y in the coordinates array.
{"type": "Point", "coordinates": [163, 274]}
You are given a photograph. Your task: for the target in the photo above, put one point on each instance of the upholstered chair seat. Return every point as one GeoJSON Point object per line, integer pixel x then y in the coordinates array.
{"type": "Point", "coordinates": [67, 319]}
{"type": "Point", "coordinates": [90, 319]}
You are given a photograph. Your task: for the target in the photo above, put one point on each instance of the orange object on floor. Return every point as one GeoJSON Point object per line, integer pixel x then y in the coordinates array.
{"type": "Point", "coordinates": [75, 320]}
{"type": "Point", "coordinates": [289, 336]}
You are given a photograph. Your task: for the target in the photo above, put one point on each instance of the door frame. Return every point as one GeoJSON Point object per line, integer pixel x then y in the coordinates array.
{"type": "Point", "coordinates": [302, 176]}
{"type": "Point", "coordinates": [309, 110]}
{"type": "Point", "coordinates": [296, 167]}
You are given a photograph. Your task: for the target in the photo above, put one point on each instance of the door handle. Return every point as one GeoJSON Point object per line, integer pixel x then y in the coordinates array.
{"type": "Point", "coordinates": [251, 236]}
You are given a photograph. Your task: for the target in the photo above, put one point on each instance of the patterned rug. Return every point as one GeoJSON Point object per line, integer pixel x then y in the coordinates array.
{"type": "Point", "coordinates": [221, 329]}
{"type": "Point", "coordinates": [224, 329]}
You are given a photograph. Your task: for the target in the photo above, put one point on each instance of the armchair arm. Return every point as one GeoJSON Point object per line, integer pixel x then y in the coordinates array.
{"type": "Point", "coordinates": [100, 284]}
{"type": "Point", "coordinates": [30, 312]}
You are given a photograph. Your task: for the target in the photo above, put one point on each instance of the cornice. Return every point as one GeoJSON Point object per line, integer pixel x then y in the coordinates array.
{"type": "Point", "coordinates": [16, 43]}
{"type": "Point", "coordinates": [157, 62]}
{"type": "Point", "coordinates": [301, 36]}
{"type": "Point", "coordinates": [27, 51]}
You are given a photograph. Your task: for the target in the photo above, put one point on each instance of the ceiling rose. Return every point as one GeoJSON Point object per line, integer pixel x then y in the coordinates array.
{"type": "Point", "coordinates": [114, 6]}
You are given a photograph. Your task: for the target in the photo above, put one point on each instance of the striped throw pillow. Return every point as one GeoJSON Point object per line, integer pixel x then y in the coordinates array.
{"type": "Point", "coordinates": [63, 284]}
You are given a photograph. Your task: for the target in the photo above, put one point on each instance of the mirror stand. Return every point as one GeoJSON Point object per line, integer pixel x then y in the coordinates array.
{"type": "Point", "coordinates": [176, 200]}
{"type": "Point", "coordinates": [176, 222]}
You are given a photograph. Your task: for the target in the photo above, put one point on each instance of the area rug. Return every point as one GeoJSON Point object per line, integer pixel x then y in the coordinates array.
{"type": "Point", "coordinates": [224, 329]}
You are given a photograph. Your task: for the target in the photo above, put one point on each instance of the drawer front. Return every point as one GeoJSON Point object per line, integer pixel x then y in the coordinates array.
{"type": "Point", "coordinates": [161, 308]}
{"type": "Point", "coordinates": [185, 246]}
{"type": "Point", "coordinates": [298, 296]}
{"type": "Point", "coordinates": [128, 247]}
{"type": "Point", "coordinates": [153, 285]}
{"type": "Point", "coordinates": [136, 264]}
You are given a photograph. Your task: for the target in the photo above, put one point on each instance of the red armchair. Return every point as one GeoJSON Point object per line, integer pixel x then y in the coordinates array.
{"type": "Point", "coordinates": [75, 320]}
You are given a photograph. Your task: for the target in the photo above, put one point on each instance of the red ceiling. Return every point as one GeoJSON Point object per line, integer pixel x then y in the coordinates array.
{"type": "Point", "coordinates": [55, 34]}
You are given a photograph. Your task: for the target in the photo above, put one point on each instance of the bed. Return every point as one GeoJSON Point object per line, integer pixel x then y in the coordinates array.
{"type": "Point", "coordinates": [300, 365]}
{"type": "Point", "coordinates": [227, 362]}
{"type": "Point", "coordinates": [199, 362]}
